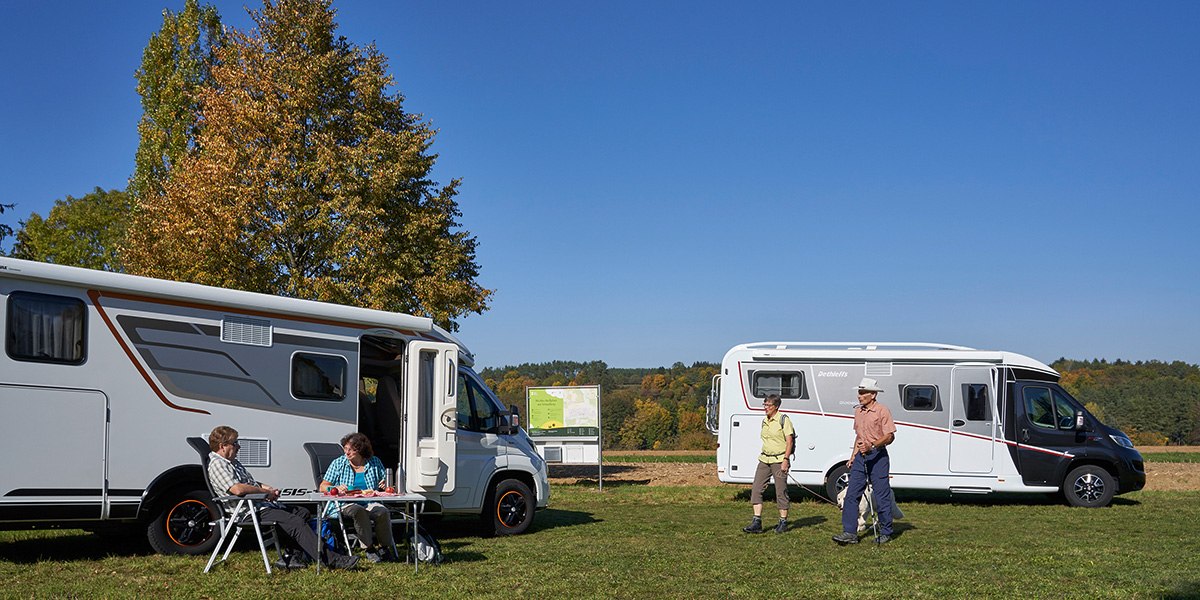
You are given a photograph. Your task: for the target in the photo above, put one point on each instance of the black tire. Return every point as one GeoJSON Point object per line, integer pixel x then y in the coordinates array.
{"type": "Point", "coordinates": [511, 510]}
{"type": "Point", "coordinates": [838, 478]}
{"type": "Point", "coordinates": [1089, 486]}
{"type": "Point", "coordinates": [183, 524]}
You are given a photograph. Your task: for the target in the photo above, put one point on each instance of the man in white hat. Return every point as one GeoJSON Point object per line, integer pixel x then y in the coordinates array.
{"type": "Point", "coordinates": [873, 431]}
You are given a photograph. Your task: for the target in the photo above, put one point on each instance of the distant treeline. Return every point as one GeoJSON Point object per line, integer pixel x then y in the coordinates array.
{"type": "Point", "coordinates": [1156, 403]}
{"type": "Point", "coordinates": [640, 409]}
{"type": "Point", "coordinates": [662, 408]}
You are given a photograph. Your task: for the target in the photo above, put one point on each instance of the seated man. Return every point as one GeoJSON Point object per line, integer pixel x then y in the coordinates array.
{"type": "Point", "coordinates": [228, 476]}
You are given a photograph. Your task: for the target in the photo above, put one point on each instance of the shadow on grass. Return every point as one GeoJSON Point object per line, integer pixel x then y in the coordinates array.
{"type": "Point", "coordinates": [545, 519]}
{"type": "Point", "coordinates": [811, 521]}
{"type": "Point", "coordinates": [994, 499]}
{"type": "Point", "coordinates": [552, 518]}
{"type": "Point", "coordinates": [589, 475]}
{"type": "Point", "coordinates": [1183, 589]}
{"type": "Point", "coordinates": [80, 546]}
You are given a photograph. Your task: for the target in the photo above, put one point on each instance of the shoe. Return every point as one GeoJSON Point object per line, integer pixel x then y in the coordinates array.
{"type": "Point", "coordinates": [782, 526]}
{"type": "Point", "coordinates": [343, 562]}
{"type": "Point", "coordinates": [883, 539]}
{"type": "Point", "coordinates": [845, 537]}
{"type": "Point", "coordinates": [374, 556]}
{"type": "Point", "coordinates": [755, 526]}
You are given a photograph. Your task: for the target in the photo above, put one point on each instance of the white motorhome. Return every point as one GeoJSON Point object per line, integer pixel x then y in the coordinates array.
{"type": "Point", "coordinates": [968, 421]}
{"type": "Point", "coordinates": [105, 375]}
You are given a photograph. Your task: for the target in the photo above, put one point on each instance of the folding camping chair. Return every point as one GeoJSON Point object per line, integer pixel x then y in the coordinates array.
{"type": "Point", "coordinates": [320, 456]}
{"type": "Point", "coordinates": [244, 515]}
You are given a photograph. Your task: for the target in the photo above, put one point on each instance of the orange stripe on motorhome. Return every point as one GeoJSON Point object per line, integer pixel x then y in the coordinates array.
{"type": "Point", "coordinates": [95, 296]}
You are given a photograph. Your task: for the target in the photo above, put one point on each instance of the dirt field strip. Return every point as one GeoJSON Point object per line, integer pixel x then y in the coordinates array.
{"type": "Point", "coordinates": [1159, 476]}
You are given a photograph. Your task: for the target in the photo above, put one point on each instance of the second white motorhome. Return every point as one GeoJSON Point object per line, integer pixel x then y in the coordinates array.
{"type": "Point", "coordinates": [968, 421]}
{"type": "Point", "coordinates": [105, 375]}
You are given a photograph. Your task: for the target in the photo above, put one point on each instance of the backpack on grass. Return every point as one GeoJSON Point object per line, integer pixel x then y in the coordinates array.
{"type": "Point", "coordinates": [426, 548]}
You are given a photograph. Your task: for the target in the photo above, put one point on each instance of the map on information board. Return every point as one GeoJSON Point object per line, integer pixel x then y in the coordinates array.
{"type": "Point", "coordinates": [564, 411]}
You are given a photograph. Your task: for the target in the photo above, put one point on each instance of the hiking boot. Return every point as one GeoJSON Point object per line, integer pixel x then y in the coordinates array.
{"type": "Point", "coordinates": [293, 560]}
{"type": "Point", "coordinates": [374, 555]}
{"type": "Point", "coordinates": [845, 537]}
{"type": "Point", "coordinates": [883, 539]}
{"type": "Point", "coordinates": [343, 562]}
{"type": "Point", "coordinates": [755, 526]}
{"type": "Point", "coordinates": [782, 526]}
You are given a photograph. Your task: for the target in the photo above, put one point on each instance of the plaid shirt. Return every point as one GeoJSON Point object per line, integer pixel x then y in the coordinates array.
{"type": "Point", "coordinates": [224, 474]}
{"type": "Point", "coordinates": [340, 472]}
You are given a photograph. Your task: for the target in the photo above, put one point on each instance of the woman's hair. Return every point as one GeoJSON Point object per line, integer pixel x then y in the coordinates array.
{"type": "Point", "coordinates": [221, 435]}
{"type": "Point", "coordinates": [772, 399]}
{"type": "Point", "coordinates": [360, 443]}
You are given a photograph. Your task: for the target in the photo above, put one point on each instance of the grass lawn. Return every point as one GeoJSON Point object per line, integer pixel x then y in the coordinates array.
{"type": "Point", "coordinates": [648, 542]}
{"type": "Point", "coordinates": [1172, 457]}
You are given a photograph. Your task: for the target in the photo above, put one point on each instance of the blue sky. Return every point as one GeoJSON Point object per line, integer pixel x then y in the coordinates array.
{"type": "Point", "coordinates": [653, 182]}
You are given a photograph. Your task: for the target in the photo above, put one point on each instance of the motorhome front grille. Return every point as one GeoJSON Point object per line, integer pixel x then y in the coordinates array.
{"type": "Point", "coordinates": [241, 330]}
{"type": "Point", "coordinates": [254, 452]}
{"type": "Point", "coordinates": [878, 369]}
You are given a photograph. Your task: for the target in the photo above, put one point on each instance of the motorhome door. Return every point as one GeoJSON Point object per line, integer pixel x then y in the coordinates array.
{"type": "Point", "coordinates": [430, 421]}
{"type": "Point", "coordinates": [972, 419]}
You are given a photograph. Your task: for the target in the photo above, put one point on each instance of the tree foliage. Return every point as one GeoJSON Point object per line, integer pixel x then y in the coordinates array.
{"type": "Point", "coordinates": [5, 229]}
{"type": "Point", "coordinates": [176, 65]}
{"type": "Point", "coordinates": [1154, 402]}
{"type": "Point", "coordinates": [309, 179]}
{"type": "Point", "coordinates": [660, 408]}
{"type": "Point", "coordinates": [79, 232]}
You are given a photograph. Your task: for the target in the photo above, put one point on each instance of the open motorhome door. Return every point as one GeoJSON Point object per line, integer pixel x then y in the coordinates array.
{"type": "Point", "coordinates": [430, 423]}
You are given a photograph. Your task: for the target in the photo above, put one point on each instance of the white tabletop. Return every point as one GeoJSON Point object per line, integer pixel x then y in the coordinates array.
{"type": "Point", "coordinates": [381, 498]}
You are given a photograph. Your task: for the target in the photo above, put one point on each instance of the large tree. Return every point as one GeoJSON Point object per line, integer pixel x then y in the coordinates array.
{"type": "Point", "coordinates": [176, 65]}
{"type": "Point", "coordinates": [80, 232]}
{"type": "Point", "coordinates": [309, 179]}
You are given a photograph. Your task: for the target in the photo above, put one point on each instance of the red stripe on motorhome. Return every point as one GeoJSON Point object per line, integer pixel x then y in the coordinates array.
{"type": "Point", "coordinates": [746, 401]}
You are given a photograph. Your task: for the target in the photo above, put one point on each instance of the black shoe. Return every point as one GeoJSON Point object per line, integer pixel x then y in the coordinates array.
{"type": "Point", "coordinates": [342, 562]}
{"type": "Point", "coordinates": [883, 539]}
{"type": "Point", "coordinates": [845, 537]}
{"type": "Point", "coordinates": [782, 526]}
{"type": "Point", "coordinates": [755, 526]}
{"type": "Point", "coordinates": [374, 555]}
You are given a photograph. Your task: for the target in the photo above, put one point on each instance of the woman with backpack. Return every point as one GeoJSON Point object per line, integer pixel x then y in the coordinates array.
{"type": "Point", "coordinates": [778, 441]}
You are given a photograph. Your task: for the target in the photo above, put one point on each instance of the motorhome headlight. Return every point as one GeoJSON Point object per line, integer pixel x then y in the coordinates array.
{"type": "Point", "coordinates": [1122, 441]}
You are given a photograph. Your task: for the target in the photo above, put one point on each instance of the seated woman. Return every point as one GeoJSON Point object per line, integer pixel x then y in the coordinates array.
{"type": "Point", "coordinates": [360, 469]}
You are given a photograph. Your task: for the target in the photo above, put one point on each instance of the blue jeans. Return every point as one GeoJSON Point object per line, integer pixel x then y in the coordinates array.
{"type": "Point", "coordinates": [875, 466]}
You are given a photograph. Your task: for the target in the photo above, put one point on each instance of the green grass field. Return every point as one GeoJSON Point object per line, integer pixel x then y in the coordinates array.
{"type": "Point", "coordinates": [628, 457]}
{"type": "Point", "coordinates": [650, 542]}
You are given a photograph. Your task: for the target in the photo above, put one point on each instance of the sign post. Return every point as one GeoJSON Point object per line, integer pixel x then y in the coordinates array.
{"type": "Point", "coordinates": [564, 423]}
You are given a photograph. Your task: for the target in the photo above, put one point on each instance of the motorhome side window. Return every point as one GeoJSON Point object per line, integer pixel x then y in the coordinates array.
{"type": "Point", "coordinates": [975, 400]}
{"type": "Point", "coordinates": [786, 384]}
{"type": "Point", "coordinates": [476, 411]}
{"type": "Point", "coordinates": [920, 397]}
{"type": "Point", "coordinates": [318, 377]}
{"type": "Point", "coordinates": [45, 328]}
{"type": "Point", "coordinates": [1048, 410]}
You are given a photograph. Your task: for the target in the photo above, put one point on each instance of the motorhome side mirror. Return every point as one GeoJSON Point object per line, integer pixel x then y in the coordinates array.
{"type": "Point", "coordinates": [512, 421]}
{"type": "Point", "coordinates": [1080, 422]}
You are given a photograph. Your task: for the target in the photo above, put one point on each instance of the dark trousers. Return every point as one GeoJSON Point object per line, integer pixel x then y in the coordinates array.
{"type": "Point", "coordinates": [876, 467]}
{"type": "Point", "coordinates": [292, 523]}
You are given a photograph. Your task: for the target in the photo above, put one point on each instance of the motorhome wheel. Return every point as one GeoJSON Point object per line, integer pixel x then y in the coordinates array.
{"type": "Point", "coordinates": [511, 508]}
{"type": "Point", "coordinates": [183, 524]}
{"type": "Point", "coordinates": [1089, 486]}
{"type": "Point", "coordinates": [838, 478]}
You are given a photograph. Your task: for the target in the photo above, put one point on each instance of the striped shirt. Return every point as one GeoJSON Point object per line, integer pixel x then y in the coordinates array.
{"type": "Point", "coordinates": [224, 474]}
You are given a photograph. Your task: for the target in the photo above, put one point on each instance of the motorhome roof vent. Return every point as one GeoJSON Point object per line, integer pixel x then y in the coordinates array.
{"type": "Point", "coordinates": [878, 369]}
{"type": "Point", "coordinates": [242, 330]}
{"type": "Point", "coordinates": [254, 452]}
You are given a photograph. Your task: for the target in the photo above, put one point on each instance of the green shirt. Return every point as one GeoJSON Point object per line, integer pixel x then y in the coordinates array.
{"type": "Point", "coordinates": [774, 438]}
